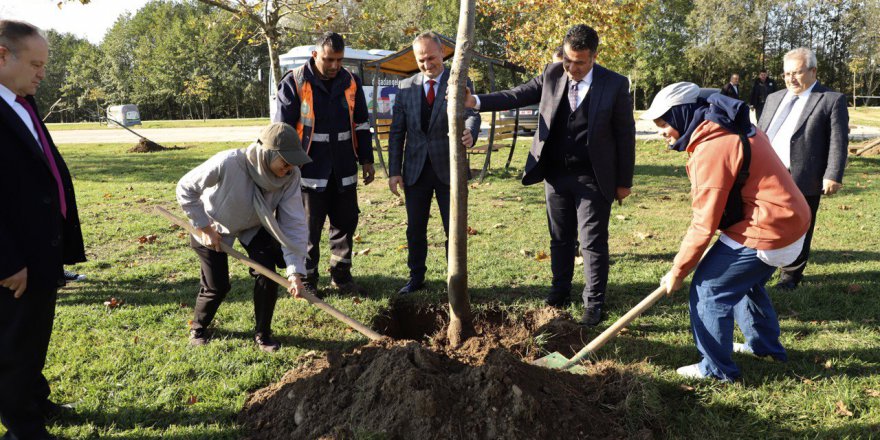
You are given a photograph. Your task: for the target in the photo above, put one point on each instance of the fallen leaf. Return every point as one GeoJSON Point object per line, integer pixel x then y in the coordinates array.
{"type": "Point", "coordinates": [854, 288]}
{"type": "Point", "coordinates": [182, 234]}
{"type": "Point", "coordinates": [620, 217]}
{"type": "Point", "coordinates": [356, 300]}
{"type": "Point", "coordinates": [498, 226]}
{"type": "Point", "coordinates": [364, 252]}
{"type": "Point", "coordinates": [519, 199]}
{"type": "Point", "coordinates": [471, 231]}
{"type": "Point", "coordinates": [844, 207]}
{"type": "Point", "coordinates": [141, 200]}
{"type": "Point", "coordinates": [402, 247]}
{"type": "Point", "coordinates": [192, 400]}
{"type": "Point", "coordinates": [357, 238]}
{"type": "Point", "coordinates": [686, 387]}
{"type": "Point", "coordinates": [368, 202]}
{"type": "Point", "coordinates": [136, 339]}
{"type": "Point", "coordinates": [184, 305]}
{"type": "Point", "coordinates": [189, 323]}
{"type": "Point", "coordinates": [108, 195]}
{"type": "Point", "coordinates": [644, 236]}
{"type": "Point", "coordinates": [542, 256]}
{"type": "Point", "coordinates": [113, 303]}
{"type": "Point", "coordinates": [808, 382]}
{"type": "Point", "coordinates": [842, 409]}
{"type": "Point", "coordinates": [149, 239]}
{"type": "Point", "coordinates": [872, 393]}
{"type": "Point", "coordinates": [174, 226]}
{"type": "Point", "coordinates": [525, 253]}
{"type": "Point", "coordinates": [828, 364]}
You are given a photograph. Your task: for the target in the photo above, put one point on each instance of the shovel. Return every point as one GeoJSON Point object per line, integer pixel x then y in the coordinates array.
{"type": "Point", "coordinates": [351, 322]}
{"type": "Point", "coordinates": [556, 360]}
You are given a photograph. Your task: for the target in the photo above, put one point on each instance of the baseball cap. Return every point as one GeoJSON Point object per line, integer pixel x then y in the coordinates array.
{"type": "Point", "coordinates": [284, 139]}
{"type": "Point", "coordinates": [671, 96]}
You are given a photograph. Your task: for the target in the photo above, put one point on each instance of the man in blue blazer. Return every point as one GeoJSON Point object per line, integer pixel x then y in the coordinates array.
{"type": "Point", "coordinates": [584, 152]}
{"type": "Point", "coordinates": [418, 149]}
{"type": "Point", "coordinates": [39, 233]}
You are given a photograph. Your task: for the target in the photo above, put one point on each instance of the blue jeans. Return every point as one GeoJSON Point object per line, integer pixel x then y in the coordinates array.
{"type": "Point", "coordinates": [729, 285]}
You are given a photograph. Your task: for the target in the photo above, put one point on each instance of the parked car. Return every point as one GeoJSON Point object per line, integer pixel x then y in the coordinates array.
{"type": "Point", "coordinates": [528, 117]}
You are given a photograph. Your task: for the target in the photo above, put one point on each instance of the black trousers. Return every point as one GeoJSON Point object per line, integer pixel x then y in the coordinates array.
{"type": "Point", "coordinates": [758, 110]}
{"type": "Point", "coordinates": [418, 208]}
{"type": "Point", "coordinates": [795, 271]}
{"type": "Point", "coordinates": [263, 249]}
{"type": "Point", "coordinates": [341, 208]}
{"type": "Point", "coordinates": [576, 207]}
{"type": "Point", "coordinates": [25, 330]}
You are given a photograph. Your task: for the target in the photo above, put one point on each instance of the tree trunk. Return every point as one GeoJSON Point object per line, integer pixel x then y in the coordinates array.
{"type": "Point", "coordinates": [461, 324]}
{"type": "Point", "coordinates": [274, 63]}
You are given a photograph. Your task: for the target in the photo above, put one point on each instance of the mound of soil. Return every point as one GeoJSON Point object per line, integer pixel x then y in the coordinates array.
{"type": "Point", "coordinates": [484, 390]}
{"type": "Point", "coordinates": [148, 146]}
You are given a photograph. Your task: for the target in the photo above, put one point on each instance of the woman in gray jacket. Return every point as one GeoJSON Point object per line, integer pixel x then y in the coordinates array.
{"type": "Point", "coordinates": [253, 195]}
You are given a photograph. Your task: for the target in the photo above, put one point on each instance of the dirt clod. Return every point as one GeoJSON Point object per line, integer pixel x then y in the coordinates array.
{"type": "Point", "coordinates": [483, 390]}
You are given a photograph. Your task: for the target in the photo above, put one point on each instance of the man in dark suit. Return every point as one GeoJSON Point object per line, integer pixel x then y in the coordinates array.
{"type": "Point", "coordinates": [761, 88]}
{"type": "Point", "coordinates": [731, 89]}
{"type": "Point", "coordinates": [584, 151]}
{"type": "Point", "coordinates": [808, 125]}
{"type": "Point", "coordinates": [39, 233]}
{"type": "Point", "coordinates": [418, 150]}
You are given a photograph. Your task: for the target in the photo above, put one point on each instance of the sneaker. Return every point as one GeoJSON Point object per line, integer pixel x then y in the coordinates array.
{"type": "Point", "coordinates": [73, 276]}
{"type": "Point", "coordinates": [745, 349]}
{"type": "Point", "coordinates": [266, 342]}
{"type": "Point", "coordinates": [592, 315]}
{"type": "Point", "coordinates": [691, 372]}
{"type": "Point", "coordinates": [198, 337]}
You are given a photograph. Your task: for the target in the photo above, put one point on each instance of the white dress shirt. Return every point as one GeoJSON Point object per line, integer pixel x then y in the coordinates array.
{"type": "Point", "coordinates": [9, 96]}
{"type": "Point", "coordinates": [782, 141]}
{"type": "Point", "coordinates": [425, 84]}
{"type": "Point", "coordinates": [583, 88]}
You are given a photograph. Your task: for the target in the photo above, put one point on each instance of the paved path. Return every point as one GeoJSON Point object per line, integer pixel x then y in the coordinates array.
{"type": "Point", "coordinates": [159, 135]}
{"type": "Point", "coordinates": [645, 130]}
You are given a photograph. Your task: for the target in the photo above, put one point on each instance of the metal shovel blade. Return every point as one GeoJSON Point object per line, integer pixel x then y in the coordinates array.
{"type": "Point", "coordinates": [557, 361]}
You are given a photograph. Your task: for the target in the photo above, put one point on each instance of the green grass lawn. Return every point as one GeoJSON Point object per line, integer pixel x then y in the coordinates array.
{"type": "Point", "coordinates": [131, 374]}
{"type": "Point", "coordinates": [183, 123]}
{"type": "Point", "coordinates": [865, 116]}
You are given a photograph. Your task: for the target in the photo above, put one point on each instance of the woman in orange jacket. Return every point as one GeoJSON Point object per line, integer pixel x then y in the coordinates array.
{"type": "Point", "coordinates": [740, 187]}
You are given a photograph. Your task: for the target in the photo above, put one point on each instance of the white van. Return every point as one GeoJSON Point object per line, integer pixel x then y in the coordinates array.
{"type": "Point", "coordinates": [354, 61]}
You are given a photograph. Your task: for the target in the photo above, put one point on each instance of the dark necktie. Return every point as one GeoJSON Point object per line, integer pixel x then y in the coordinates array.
{"type": "Point", "coordinates": [430, 96]}
{"type": "Point", "coordinates": [573, 95]}
{"type": "Point", "coordinates": [47, 150]}
{"type": "Point", "coordinates": [780, 118]}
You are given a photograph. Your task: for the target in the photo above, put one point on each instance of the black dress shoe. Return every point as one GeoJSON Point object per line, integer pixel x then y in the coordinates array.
{"type": "Point", "coordinates": [53, 411]}
{"type": "Point", "coordinates": [592, 316]}
{"type": "Point", "coordinates": [558, 299]}
{"type": "Point", "coordinates": [266, 342]}
{"type": "Point", "coordinates": [786, 285]}
{"type": "Point", "coordinates": [411, 286]}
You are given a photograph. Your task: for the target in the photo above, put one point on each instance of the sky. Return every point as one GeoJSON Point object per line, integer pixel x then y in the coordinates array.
{"type": "Point", "coordinates": [87, 21]}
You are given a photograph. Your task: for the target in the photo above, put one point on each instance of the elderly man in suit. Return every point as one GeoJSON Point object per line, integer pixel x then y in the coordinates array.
{"type": "Point", "coordinates": [39, 233]}
{"type": "Point", "coordinates": [584, 152]}
{"type": "Point", "coordinates": [808, 125]}
{"type": "Point", "coordinates": [418, 150]}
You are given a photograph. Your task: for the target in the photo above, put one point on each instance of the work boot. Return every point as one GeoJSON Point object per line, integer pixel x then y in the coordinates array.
{"type": "Point", "coordinates": [592, 315]}
{"type": "Point", "coordinates": [266, 342]}
{"type": "Point", "coordinates": [558, 299]}
{"type": "Point", "coordinates": [348, 287]}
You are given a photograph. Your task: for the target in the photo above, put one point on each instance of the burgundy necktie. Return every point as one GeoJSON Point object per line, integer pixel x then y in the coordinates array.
{"type": "Point", "coordinates": [431, 83]}
{"type": "Point", "coordinates": [47, 150]}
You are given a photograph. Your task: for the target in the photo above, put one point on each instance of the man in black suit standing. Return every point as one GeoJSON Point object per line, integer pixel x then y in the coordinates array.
{"type": "Point", "coordinates": [419, 134]}
{"type": "Point", "coordinates": [761, 88]}
{"type": "Point", "coordinates": [731, 89]}
{"type": "Point", "coordinates": [584, 152]}
{"type": "Point", "coordinates": [39, 233]}
{"type": "Point", "coordinates": [808, 125]}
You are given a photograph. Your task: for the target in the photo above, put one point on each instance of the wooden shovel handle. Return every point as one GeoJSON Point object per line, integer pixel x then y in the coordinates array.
{"type": "Point", "coordinates": [351, 322]}
{"type": "Point", "coordinates": [615, 328]}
